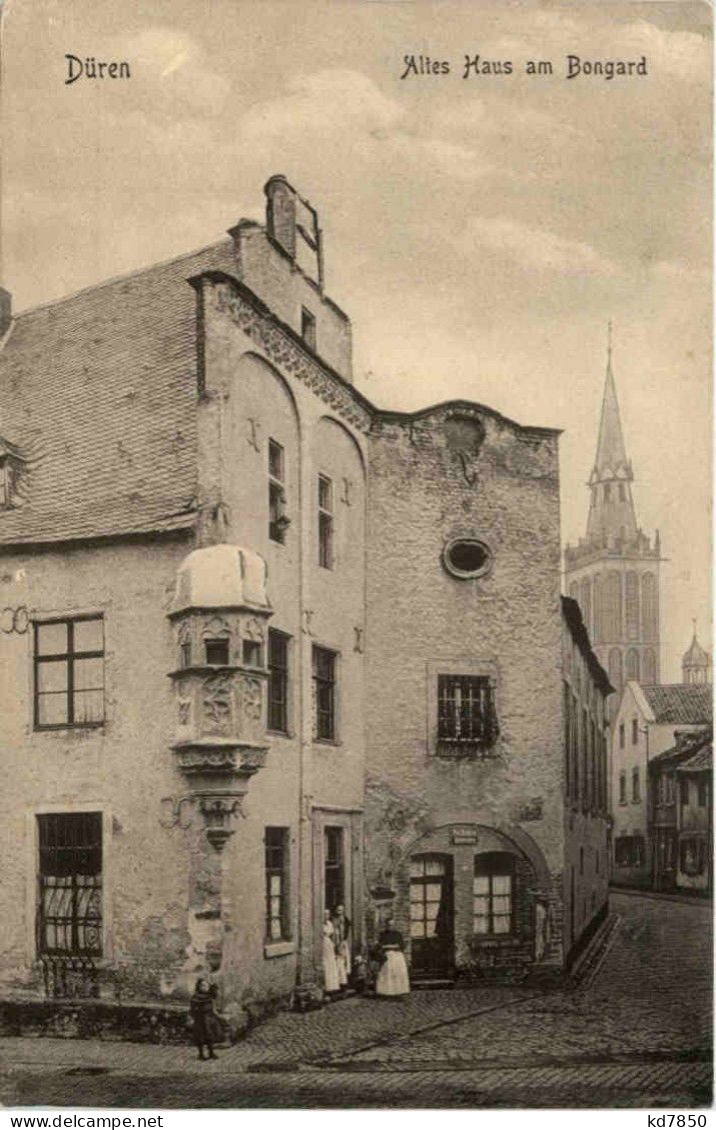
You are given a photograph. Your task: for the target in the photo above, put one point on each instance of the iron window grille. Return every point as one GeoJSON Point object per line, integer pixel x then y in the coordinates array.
{"type": "Point", "coordinates": [69, 673]}
{"type": "Point", "coordinates": [278, 681]}
{"type": "Point", "coordinates": [325, 522]}
{"type": "Point", "coordinates": [278, 521]}
{"type": "Point", "coordinates": [467, 719]}
{"type": "Point", "coordinates": [324, 681]}
{"type": "Point", "coordinates": [69, 912]}
{"type": "Point", "coordinates": [278, 926]}
{"type": "Point", "coordinates": [493, 893]}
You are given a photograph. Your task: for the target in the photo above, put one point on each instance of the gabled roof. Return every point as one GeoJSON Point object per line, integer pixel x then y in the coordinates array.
{"type": "Point", "coordinates": [691, 754]}
{"type": "Point", "coordinates": [572, 614]}
{"type": "Point", "coordinates": [680, 703]}
{"type": "Point", "coordinates": [101, 387]}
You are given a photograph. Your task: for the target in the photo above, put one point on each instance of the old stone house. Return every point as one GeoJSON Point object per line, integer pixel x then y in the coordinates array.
{"type": "Point", "coordinates": [265, 648]}
{"type": "Point", "coordinates": [645, 724]}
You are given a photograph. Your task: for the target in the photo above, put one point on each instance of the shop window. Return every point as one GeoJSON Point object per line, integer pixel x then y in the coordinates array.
{"type": "Point", "coordinates": [324, 690]}
{"type": "Point", "coordinates": [467, 718]}
{"type": "Point", "coordinates": [325, 522]}
{"type": "Point", "coordinates": [69, 909]}
{"type": "Point", "coordinates": [278, 924]}
{"type": "Point", "coordinates": [278, 681]}
{"type": "Point", "coordinates": [69, 673]}
{"type": "Point", "coordinates": [493, 888]}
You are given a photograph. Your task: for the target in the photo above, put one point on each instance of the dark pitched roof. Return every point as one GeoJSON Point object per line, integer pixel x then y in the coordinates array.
{"type": "Point", "coordinates": [573, 619]}
{"type": "Point", "coordinates": [680, 703]}
{"type": "Point", "coordinates": [98, 393]}
{"type": "Point", "coordinates": [692, 753]}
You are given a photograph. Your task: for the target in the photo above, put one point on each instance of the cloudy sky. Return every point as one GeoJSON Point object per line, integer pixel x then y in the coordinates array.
{"type": "Point", "coordinates": [480, 232]}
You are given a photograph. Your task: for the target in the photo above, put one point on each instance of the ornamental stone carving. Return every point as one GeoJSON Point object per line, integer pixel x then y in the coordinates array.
{"type": "Point", "coordinates": [291, 357]}
{"type": "Point", "coordinates": [253, 629]}
{"type": "Point", "coordinates": [216, 629]}
{"type": "Point", "coordinates": [216, 704]}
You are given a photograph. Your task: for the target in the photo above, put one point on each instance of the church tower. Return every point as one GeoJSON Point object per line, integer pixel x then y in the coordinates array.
{"type": "Point", "coordinates": [614, 571]}
{"type": "Point", "coordinates": [696, 663]}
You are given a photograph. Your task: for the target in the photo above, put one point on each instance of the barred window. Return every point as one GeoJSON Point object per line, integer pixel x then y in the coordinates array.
{"type": "Point", "coordinates": [69, 911]}
{"type": "Point", "coordinates": [278, 925]}
{"type": "Point", "coordinates": [493, 893]}
{"type": "Point", "coordinates": [278, 681]}
{"type": "Point", "coordinates": [324, 684]}
{"type": "Point", "coordinates": [466, 711]}
{"type": "Point", "coordinates": [69, 673]}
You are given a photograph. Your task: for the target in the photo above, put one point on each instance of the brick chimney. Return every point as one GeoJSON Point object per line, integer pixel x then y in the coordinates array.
{"type": "Point", "coordinates": [5, 310]}
{"type": "Point", "coordinates": [292, 223]}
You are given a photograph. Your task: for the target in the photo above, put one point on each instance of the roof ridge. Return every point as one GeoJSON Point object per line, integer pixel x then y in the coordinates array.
{"type": "Point", "coordinates": [119, 278]}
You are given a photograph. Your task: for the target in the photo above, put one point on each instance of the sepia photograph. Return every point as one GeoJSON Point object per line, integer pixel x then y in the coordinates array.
{"type": "Point", "coordinates": [355, 556]}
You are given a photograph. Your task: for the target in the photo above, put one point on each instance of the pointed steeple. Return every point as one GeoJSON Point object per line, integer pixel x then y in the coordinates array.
{"type": "Point", "coordinates": [696, 662]}
{"type": "Point", "coordinates": [611, 513]}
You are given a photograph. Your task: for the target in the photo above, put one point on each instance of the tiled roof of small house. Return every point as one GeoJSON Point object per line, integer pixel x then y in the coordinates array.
{"type": "Point", "coordinates": [98, 394]}
{"type": "Point", "coordinates": [686, 704]}
{"type": "Point", "coordinates": [699, 762]}
{"type": "Point", "coordinates": [692, 752]}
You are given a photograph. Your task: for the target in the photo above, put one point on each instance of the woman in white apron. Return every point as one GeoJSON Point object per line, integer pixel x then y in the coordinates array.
{"type": "Point", "coordinates": [330, 967]}
{"type": "Point", "coordinates": [342, 926]}
{"type": "Point", "coordinates": [393, 978]}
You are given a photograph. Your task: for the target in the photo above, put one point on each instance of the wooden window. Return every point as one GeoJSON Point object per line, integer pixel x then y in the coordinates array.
{"type": "Point", "coordinates": [428, 883]}
{"type": "Point", "coordinates": [466, 711]}
{"type": "Point", "coordinates": [278, 681]}
{"type": "Point", "coordinates": [325, 522]}
{"type": "Point", "coordinates": [324, 684]}
{"type": "Point", "coordinates": [703, 788]}
{"type": "Point", "coordinates": [622, 788]}
{"type": "Point", "coordinates": [635, 787]}
{"type": "Point", "coordinates": [278, 522]}
{"type": "Point", "coordinates": [69, 910]}
{"type": "Point", "coordinates": [278, 922]}
{"type": "Point", "coordinates": [634, 731]}
{"type": "Point", "coordinates": [493, 889]}
{"type": "Point", "coordinates": [334, 868]}
{"type": "Point", "coordinates": [69, 673]}
{"type": "Point", "coordinates": [308, 328]}
{"type": "Point", "coordinates": [622, 735]}
{"type": "Point", "coordinates": [684, 790]}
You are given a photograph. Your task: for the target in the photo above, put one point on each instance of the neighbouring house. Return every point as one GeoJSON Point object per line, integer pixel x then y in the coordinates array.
{"type": "Point", "coordinates": [681, 799]}
{"type": "Point", "coordinates": [645, 725]}
{"type": "Point", "coordinates": [266, 648]}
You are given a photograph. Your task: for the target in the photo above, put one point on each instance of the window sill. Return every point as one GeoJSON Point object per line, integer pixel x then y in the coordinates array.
{"type": "Point", "coordinates": [493, 941]}
{"type": "Point", "coordinates": [328, 741]}
{"type": "Point", "coordinates": [279, 949]}
{"type": "Point", "coordinates": [68, 726]}
{"type": "Point", "coordinates": [280, 733]}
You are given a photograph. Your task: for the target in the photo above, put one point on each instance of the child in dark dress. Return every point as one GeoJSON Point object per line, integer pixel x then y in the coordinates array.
{"type": "Point", "coordinates": [205, 1022]}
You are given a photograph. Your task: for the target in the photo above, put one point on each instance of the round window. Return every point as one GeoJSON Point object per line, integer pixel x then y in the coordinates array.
{"type": "Point", "coordinates": [466, 557]}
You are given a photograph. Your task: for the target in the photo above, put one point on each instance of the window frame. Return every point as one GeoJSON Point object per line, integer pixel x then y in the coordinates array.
{"type": "Point", "coordinates": [635, 786]}
{"type": "Point", "coordinates": [328, 683]}
{"type": "Point", "coordinates": [623, 787]}
{"type": "Point", "coordinates": [277, 521]}
{"type": "Point", "coordinates": [281, 870]}
{"type": "Point", "coordinates": [274, 635]}
{"type": "Point", "coordinates": [635, 731]}
{"type": "Point", "coordinates": [68, 657]}
{"type": "Point", "coordinates": [478, 713]}
{"type": "Point", "coordinates": [326, 550]}
{"type": "Point", "coordinates": [498, 859]}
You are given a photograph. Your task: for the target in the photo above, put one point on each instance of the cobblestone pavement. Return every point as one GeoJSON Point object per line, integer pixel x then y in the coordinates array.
{"type": "Point", "coordinates": [639, 1035]}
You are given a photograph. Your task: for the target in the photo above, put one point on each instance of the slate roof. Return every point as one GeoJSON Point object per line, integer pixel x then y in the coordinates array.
{"type": "Point", "coordinates": [680, 703]}
{"type": "Point", "coordinates": [573, 618]}
{"type": "Point", "coordinates": [98, 392]}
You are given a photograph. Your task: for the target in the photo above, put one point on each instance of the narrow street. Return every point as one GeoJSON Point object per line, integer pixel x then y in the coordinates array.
{"type": "Point", "coordinates": [639, 1035]}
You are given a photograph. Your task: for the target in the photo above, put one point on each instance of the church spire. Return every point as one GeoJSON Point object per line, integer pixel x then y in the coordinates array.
{"type": "Point", "coordinates": [611, 512]}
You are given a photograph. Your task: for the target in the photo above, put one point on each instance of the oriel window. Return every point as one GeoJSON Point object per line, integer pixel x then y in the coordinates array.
{"type": "Point", "coordinates": [325, 522]}
{"type": "Point", "coordinates": [278, 925]}
{"type": "Point", "coordinates": [278, 681]}
{"type": "Point", "coordinates": [278, 521]}
{"type": "Point", "coordinates": [324, 683]}
{"type": "Point", "coordinates": [69, 673]}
